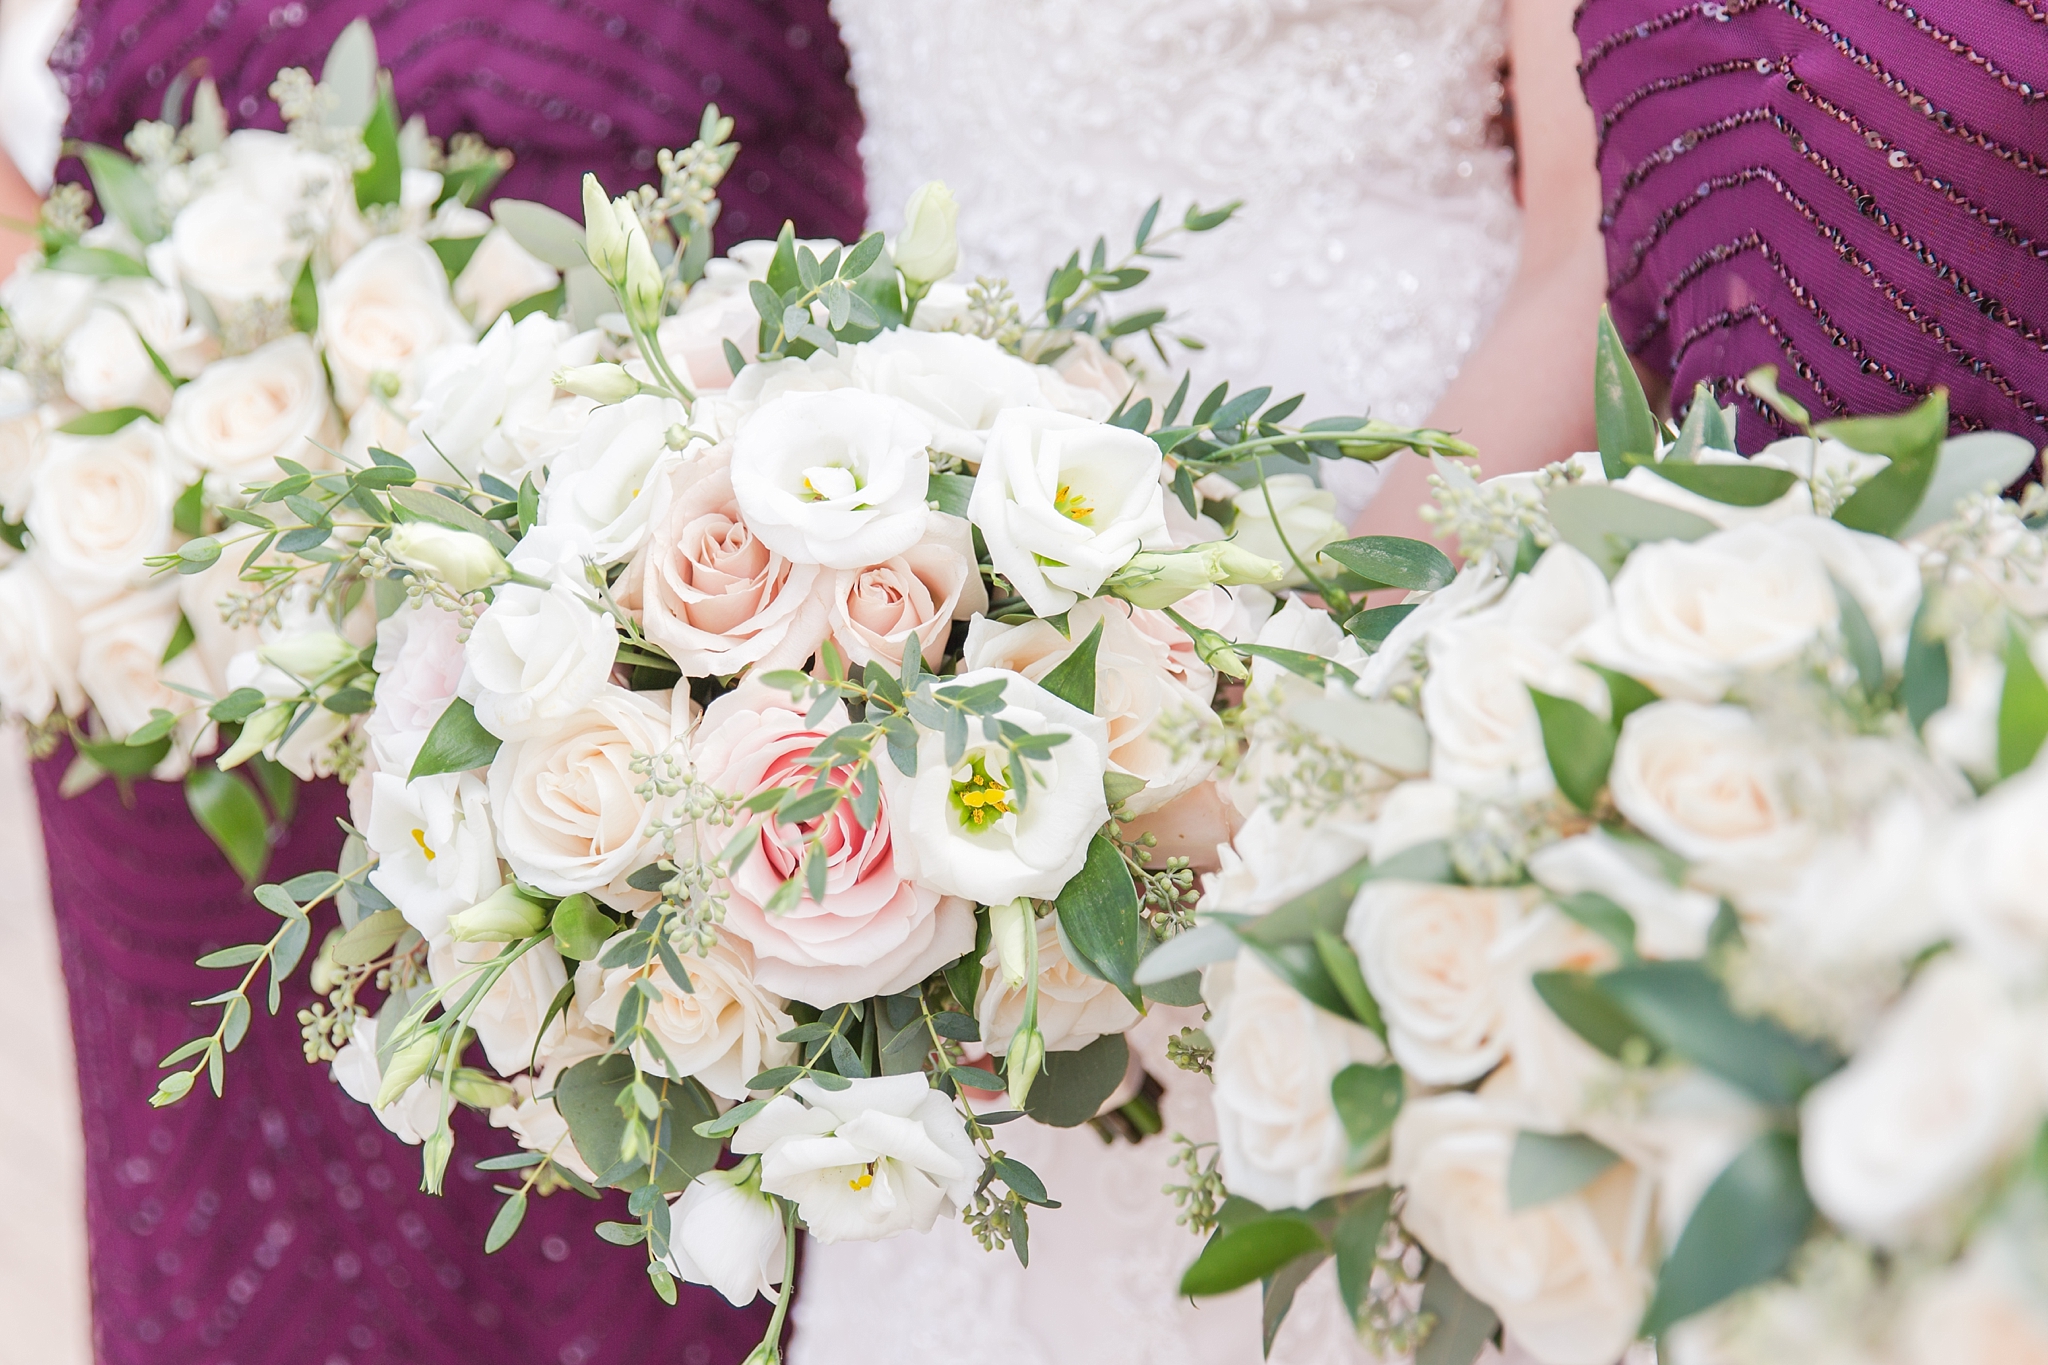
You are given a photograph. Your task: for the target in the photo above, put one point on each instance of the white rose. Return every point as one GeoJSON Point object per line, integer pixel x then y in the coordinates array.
{"type": "Point", "coordinates": [43, 305]}
{"type": "Point", "coordinates": [501, 273]}
{"type": "Point", "coordinates": [882, 1156]}
{"type": "Point", "coordinates": [1420, 812]}
{"type": "Point", "coordinates": [961, 383]}
{"type": "Point", "coordinates": [1987, 880]}
{"type": "Point", "coordinates": [1705, 782]}
{"type": "Point", "coordinates": [725, 1233]}
{"type": "Point", "coordinates": [100, 506]}
{"type": "Point", "coordinates": [928, 248]}
{"type": "Point", "coordinates": [722, 1031]}
{"type": "Point", "coordinates": [1671, 921]}
{"type": "Point", "coordinates": [1088, 368]}
{"type": "Point", "coordinates": [23, 424]}
{"type": "Point", "coordinates": [1063, 503]}
{"type": "Point", "coordinates": [992, 850]}
{"type": "Point", "coordinates": [507, 1016]}
{"type": "Point", "coordinates": [1566, 1276]}
{"type": "Point", "coordinates": [38, 645]}
{"type": "Point", "coordinates": [1690, 618]}
{"type": "Point", "coordinates": [242, 414]}
{"type": "Point", "coordinates": [1881, 574]}
{"type": "Point", "coordinates": [432, 838]}
{"type": "Point", "coordinates": [567, 804]}
{"type": "Point", "coordinates": [1270, 860]}
{"type": "Point", "coordinates": [873, 611]}
{"type": "Point", "coordinates": [1159, 731]}
{"type": "Point", "coordinates": [492, 408]}
{"type": "Point", "coordinates": [419, 669]}
{"type": "Point", "coordinates": [1307, 519]}
{"type": "Point", "coordinates": [835, 478]}
{"type": "Point", "coordinates": [105, 363]}
{"type": "Point", "coordinates": [121, 670]}
{"type": "Point", "coordinates": [598, 485]}
{"type": "Point", "coordinates": [381, 315]}
{"type": "Point", "coordinates": [236, 249]}
{"type": "Point", "coordinates": [1486, 739]}
{"type": "Point", "coordinates": [1948, 1084]}
{"type": "Point", "coordinates": [1074, 1008]}
{"type": "Point", "coordinates": [1985, 1310]}
{"type": "Point", "coordinates": [1282, 1143]}
{"type": "Point", "coordinates": [694, 339]}
{"type": "Point", "coordinates": [412, 1115]}
{"type": "Point", "coordinates": [536, 655]}
{"type": "Point", "coordinates": [1428, 954]}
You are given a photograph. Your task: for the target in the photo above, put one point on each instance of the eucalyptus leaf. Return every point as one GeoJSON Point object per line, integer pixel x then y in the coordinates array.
{"type": "Point", "coordinates": [457, 743]}
{"type": "Point", "coordinates": [1098, 915]}
{"type": "Point", "coordinates": [1367, 1099]}
{"type": "Point", "coordinates": [1464, 1322]}
{"type": "Point", "coordinates": [1975, 462]}
{"type": "Point", "coordinates": [1235, 1258]}
{"type": "Point", "coordinates": [227, 809]}
{"type": "Point", "coordinates": [1209, 941]}
{"type": "Point", "coordinates": [1743, 1231]}
{"type": "Point", "coordinates": [1547, 1166]}
{"type": "Point", "coordinates": [552, 236]}
{"type": "Point", "coordinates": [1073, 680]}
{"type": "Point", "coordinates": [1072, 1086]}
{"type": "Point", "coordinates": [1680, 1005]}
{"type": "Point", "coordinates": [1605, 523]}
{"type": "Point", "coordinates": [1394, 562]}
{"type": "Point", "coordinates": [1912, 441]}
{"type": "Point", "coordinates": [2022, 709]}
{"type": "Point", "coordinates": [1579, 746]}
{"type": "Point", "coordinates": [1621, 413]}
{"type": "Point", "coordinates": [1738, 485]}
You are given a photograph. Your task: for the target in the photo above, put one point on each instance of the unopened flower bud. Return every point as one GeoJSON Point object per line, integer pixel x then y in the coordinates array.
{"type": "Point", "coordinates": [479, 1091]}
{"type": "Point", "coordinates": [1009, 925]}
{"type": "Point", "coordinates": [307, 654]}
{"type": "Point", "coordinates": [407, 1065]}
{"type": "Point", "coordinates": [1022, 1062]}
{"type": "Point", "coordinates": [928, 248]}
{"type": "Point", "coordinates": [257, 732]}
{"type": "Point", "coordinates": [1156, 579]}
{"type": "Point", "coordinates": [1212, 648]}
{"type": "Point", "coordinates": [644, 286]}
{"type": "Point", "coordinates": [506, 914]}
{"type": "Point", "coordinates": [603, 240]}
{"type": "Point", "coordinates": [601, 383]}
{"type": "Point", "coordinates": [463, 560]}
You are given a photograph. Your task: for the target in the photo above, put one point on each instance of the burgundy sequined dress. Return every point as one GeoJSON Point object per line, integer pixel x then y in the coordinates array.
{"type": "Point", "coordinates": [1853, 190]}
{"type": "Point", "coordinates": [283, 1225]}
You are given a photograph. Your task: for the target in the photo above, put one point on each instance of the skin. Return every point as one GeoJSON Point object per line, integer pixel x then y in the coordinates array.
{"type": "Point", "coordinates": [20, 204]}
{"type": "Point", "coordinates": [1524, 396]}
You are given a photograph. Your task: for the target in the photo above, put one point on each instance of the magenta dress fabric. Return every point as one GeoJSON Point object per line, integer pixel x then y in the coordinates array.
{"type": "Point", "coordinates": [1853, 190]}
{"type": "Point", "coordinates": [568, 85]}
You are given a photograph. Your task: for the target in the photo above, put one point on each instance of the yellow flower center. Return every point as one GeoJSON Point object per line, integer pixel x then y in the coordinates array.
{"type": "Point", "coordinates": [419, 836]}
{"type": "Point", "coordinates": [980, 799]}
{"type": "Point", "coordinates": [1071, 505]}
{"type": "Point", "coordinates": [861, 1181]}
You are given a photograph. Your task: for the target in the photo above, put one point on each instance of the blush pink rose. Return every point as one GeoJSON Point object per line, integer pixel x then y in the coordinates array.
{"type": "Point", "coordinates": [925, 589]}
{"type": "Point", "coordinates": [709, 591]}
{"type": "Point", "coordinates": [876, 933]}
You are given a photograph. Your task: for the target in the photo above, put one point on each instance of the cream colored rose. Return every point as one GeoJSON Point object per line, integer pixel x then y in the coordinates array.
{"type": "Point", "coordinates": [121, 669]}
{"type": "Point", "coordinates": [1159, 730]}
{"type": "Point", "coordinates": [1074, 1008]}
{"type": "Point", "coordinates": [1428, 954]}
{"type": "Point", "coordinates": [243, 414]}
{"type": "Point", "coordinates": [1985, 875]}
{"type": "Point", "coordinates": [1671, 921]}
{"type": "Point", "coordinates": [567, 803]}
{"type": "Point", "coordinates": [1276, 1054]}
{"type": "Point", "coordinates": [1566, 1276]}
{"type": "Point", "coordinates": [1986, 1310]}
{"type": "Point", "coordinates": [1705, 782]}
{"type": "Point", "coordinates": [507, 1016]}
{"type": "Point", "coordinates": [105, 362]}
{"type": "Point", "coordinates": [38, 645]}
{"type": "Point", "coordinates": [23, 423]}
{"type": "Point", "coordinates": [236, 249]}
{"type": "Point", "coordinates": [381, 315]}
{"type": "Point", "coordinates": [100, 506]}
{"type": "Point", "coordinates": [1948, 1084]}
{"type": "Point", "coordinates": [500, 273]}
{"type": "Point", "coordinates": [707, 589]}
{"type": "Point", "coordinates": [722, 1031]}
{"type": "Point", "coordinates": [1090, 369]}
{"type": "Point", "coordinates": [873, 611]}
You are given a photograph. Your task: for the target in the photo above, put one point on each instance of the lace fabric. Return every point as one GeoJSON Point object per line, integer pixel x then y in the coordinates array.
{"type": "Point", "coordinates": [1379, 225]}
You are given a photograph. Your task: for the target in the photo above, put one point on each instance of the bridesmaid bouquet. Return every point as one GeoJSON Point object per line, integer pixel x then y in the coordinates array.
{"type": "Point", "coordinates": [778, 662]}
{"type": "Point", "coordinates": [1639, 933]}
{"type": "Point", "coordinates": [252, 304]}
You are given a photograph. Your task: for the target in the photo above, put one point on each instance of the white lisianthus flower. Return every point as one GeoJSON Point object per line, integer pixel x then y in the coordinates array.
{"type": "Point", "coordinates": [962, 384]}
{"type": "Point", "coordinates": [492, 408]}
{"type": "Point", "coordinates": [1566, 1276]}
{"type": "Point", "coordinates": [1276, 1054]}
{"type": "Point", "coordinates": [244, 413]}
{"type": "Point", "coordinates": [44, 305]}
{"type": "Point", "coordinates": [536, 655]}
{"type": "Point", "coordinates": [1074, 1008]}
{"type": "Point", "coordinates": [100, 506]}
{"type": "Point", "coordinates": [722, 1031]}
{"type": "Point", "coordinates": [959, 828]}
{"type": "Point", "coordinates": [1947, 1085]}
{"type": "Point", "coordinates": [566, 801]}
{"type": "Point", "coordinates": [835, 478]}
{"type": "Point", "coordinates": [1063, 503]}
{"type": "Point", "coordinates": [883, 1156]}
{"type": "Point", "coordinates": [432, 838]}
{"type": "Point", "coordinates": [38, 645]}
{"type": "Point", "coordinates": [381, 315]}
{"type": "Point", "coordinates": [501, 273]}
{"type": "Point", "coordinates": [1307, 519]}
{"type": "Point", "coordinates": [412, 1115]}
{"type": "Point", "coordinates": [419, 667]}
{"type": "Point", "coordinates": [726, 1234]}
{"type": "Point", "coordinates": [507, 1016]}
{"type": "Point", "coordinates": [1690, 617]}
{"type": "Point", "coordinates": [599, 485]}
{"type": "Point", "coordinates": [1705, 782]}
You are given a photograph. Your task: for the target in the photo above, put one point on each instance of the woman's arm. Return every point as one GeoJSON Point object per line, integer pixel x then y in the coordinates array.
{"type": "Point", "coordinates": [1524, 396]}
{"type": "Point", "coordinates": [18, 205]}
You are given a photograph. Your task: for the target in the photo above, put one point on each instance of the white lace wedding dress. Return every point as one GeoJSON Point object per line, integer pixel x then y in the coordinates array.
{"type": "Point", "coordinates": [1378, 232]}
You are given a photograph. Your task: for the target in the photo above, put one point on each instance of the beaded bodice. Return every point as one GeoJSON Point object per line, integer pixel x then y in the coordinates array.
{"type": "Point", "coordinates": [1853, 190]}
{"type": "Point", "coordinates": [1379, 224]}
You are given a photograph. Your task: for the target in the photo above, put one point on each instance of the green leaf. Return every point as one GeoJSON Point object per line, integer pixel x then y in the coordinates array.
{"type": "Point", "coordinates": [1368, 1099]}
{"type": "Point", "coordinates": [1605, 523]}
{"type": "Point", "coordinates": [1547, 1166]}
{"type": "Point", "coordinates": [623, 1234]}
{"type": "Point", "coordinates": [586, 1096]}
{"type": "Point", "coordinates": [1743, 1231]}
{"type": "Point", "coordinates": [1357, 1239]}
{"type": "Point", "coordinates": [237, 705]}
{"type": "Point", "coordinates": [454, 252]}
{"type": "Point", "coordinates": [349, 75]}
{"type": "Point", "coordinates": [241, 955]}
{"type": "Point", "coordinates": [427, 506]}
{"type": "Point", "coordinates": [1578, 1001]}
{"type": "Point", "coordinates": [580, 928]}
{"type": "Point", "coordinates": [1859, 642]}
{"type": "Point", "coordinates": [188, 513]}
{"type": "Point", "coordinates": [1912, 441]}
{"type": "Point", "coordinates": [305, 304]}
{"type": "Point", "coordinates": [546, 233]}
{"type": "Point", "coordinates": [1596, 912]}
{"type": "Point", "coordinates": [1620, 411]}
{"type": "Point", "coordinates": [1970, 463]}
{"type": "Point", "coordinates": [99, 262]}
{"type": "Point", "coordinates": [1394, 562]}
{"type": "Point", "coordinates": [1278, 1291]}
{"type": "Point", "coordinates": [1098, 916]}
{"type": "Point", "coordinates": [949, 493]}
{"type": "Point", "coordinates": [1372, 626]}
{"type": "Point", "coordinates": [1923, 689]}
{"type": "Point", "coordinates": [227, 809]}
{"type": "Point", "coordinates": [1680, 1005]}
{"type": "Point", "coordinates": [730, 1119]}
{"type": "Point", "coordinates": [1341, 965]}
{"type": "Point", "coordinates": [102, 423]}
{"type": "Point", "coordinates": [1579, 746]}
{"type": "Point", "coordinates": [380, 181]}
{"type": "Point", "coordinates": [457, 743]}
{"type": "Point", "coordinates": [510, 1215]}
{"type": "Point", "coordinates": [123, 192]}
{"type": "Point", "coordinates": [1705, 428]}
{"type": "Point", "coordinates": [1072, 1086]}
{"type": "Point", "coordinates": [2022, 709]}
{"type": "Point", "coordinates": [373, 936]}
{"type": "Point", "coordinates": [1625, 695]}
{"type": "Point", "coordinates": [1073, 681]}
{"type": "Point", "coordinates": [1249, 1252]}
{"type": "Point", "coordinates": [1464, 1323]}
{"type": "Point", "coordinates": [1737, 485]}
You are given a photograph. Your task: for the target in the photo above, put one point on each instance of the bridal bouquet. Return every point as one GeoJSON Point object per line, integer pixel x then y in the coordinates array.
{"type": "Point", "coordinates": [1638, 934]}
{"type": "Point", "coordinates": [251, 304]}
{"type": "Point", "coordinates": [774, 675]}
